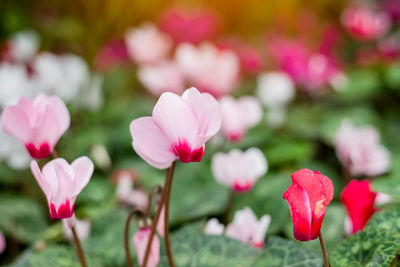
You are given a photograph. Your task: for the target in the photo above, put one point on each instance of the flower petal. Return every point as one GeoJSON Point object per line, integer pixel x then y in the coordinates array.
{"type": "Point", "coordinates": [83, 170]}
{"type": "Point", "coordinates": [15, 123]}
{"type": "Point", "coordinates": [151, 143]}
{"type": "Point", "coordinates": [300, 211]}
{"type": "Point", "coordinates": [176, 119]}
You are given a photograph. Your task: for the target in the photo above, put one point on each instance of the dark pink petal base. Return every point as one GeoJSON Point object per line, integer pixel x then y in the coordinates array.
{"type": "Point", "coordinates": [42, 152]}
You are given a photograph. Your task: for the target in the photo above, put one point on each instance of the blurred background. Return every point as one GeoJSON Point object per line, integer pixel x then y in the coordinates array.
{"type": "Point", "coordinates": [110, 60]}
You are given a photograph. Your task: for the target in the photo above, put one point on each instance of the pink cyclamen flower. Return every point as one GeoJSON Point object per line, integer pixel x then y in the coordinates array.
{"type": "Point", "coordinates": [147, 44]}
{"type": "Point", "coordinates": [358, 199]}
{"type": "Point", "coordinates": [365, 24]}
{"type": "Point", "coordinates": [359, 150]}
{"type": "Point", "coordinates": [178, 128]}
{"type": "Point", "coordinates": [2, 242]}
{"type": "Point", "coordinates": [239, 115]}
{"type": "Point", "coordinates": [111, 54]}
{"type": "Point", "coordinates": [308, 196]}
{"type": "Point", "coordinates": [162, 77]}
{"type": "Point", "coordinates": [389, 47]}
{"type": "Point", "coordinates": [62, 182]}
{"type": "Point", "coordinates": [239, 170]}
{"type": "Point", "coordinates": [247, 229]}
{"type": "Point", "coordinates": [192, 26]}
{"type": "Point", "coordinates": [38, 124]}
{"type": "Point", "coordinates": [209, 69]}
{"type": "Point", "coordinates": [82, 228]}
{"type": "Point", "coordinates": [140, 240]}
{"type": "Point", "coordinates": [127, 195]}
{"type": "Point", "coordinates": [213, 227]}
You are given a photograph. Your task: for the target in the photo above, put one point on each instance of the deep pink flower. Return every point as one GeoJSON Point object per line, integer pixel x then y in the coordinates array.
{"type": "Point", "coordinates": [392, 7]}
{"type": "Point", "coordinates": [310, 70]}
{"type": "Point", "coordinates": [365, 24]}
{"type": "Point", "coordinates": [147, 44]}
{"type": "Point", "coordinates": [250, 58]}
{"type": "Point", "coordinates": [38, 124]}
{"type": "Point", "coordinates": [140, 240]}
{"type": "Point", "coordinates": [192, 26]}
{"type": "Point", "coordinates": [239, 170]}
{"type": "Point", "coordinates": [209, 69]}
{"type": "Point", "coordinates": [359, 150]}
{"type": "Point", "coordinates": [111, 54]}
{"type": "Point", "coordinates": [239, 115]}
{"type": "Point", "coordinates": [178, 128]}
{"type": "Point", "coordinates": [358, 199]}
{"type": "Point", "coordinates": [246, 228]}
{"type": "Point", "coordinates": [389, 47]}
{"type": "Point", "coordinates": [308, 196]}
{"type": "Point", "coordinates": [62, 183]}
{"type": "Point", "coordinates": [162, 77]}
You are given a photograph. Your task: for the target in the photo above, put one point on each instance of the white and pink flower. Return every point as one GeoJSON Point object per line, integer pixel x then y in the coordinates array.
{"type": "Point", "coordinates": [209, 69]}
{"type": "Point", "coordinates": [248, 229]}
{"type": "Point", "coordinates": [239, 170]}
{"type": "Point", "coordinates": [359, 150]}
{"type": "Point", "coordinates": [140, 240]}
{"type": "Point", "coordinates": [178, 128]}
{"type": "Point", "coordinates": [364, 23]}
{"type": "Point", "coordinates": [38, 124]}
{"type": "Point", "coordinates": [239, 115]}
{"type": "Point", "coordinates": [62, 182]}
{"type": "Point", "coordinates": [162, 77]}
{"type": "Point", "coordinates": [147, 44]}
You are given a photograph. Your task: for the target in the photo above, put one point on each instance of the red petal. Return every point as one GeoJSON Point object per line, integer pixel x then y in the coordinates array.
{"type": "Point", "coordinates": [359, 200]}
{"type": "Point", "coordinates": [317, 186]}
{"type": "Point", "coordinates": [300, 210]}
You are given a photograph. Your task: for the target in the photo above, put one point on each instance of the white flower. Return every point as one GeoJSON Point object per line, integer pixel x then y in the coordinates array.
{"type": "Point", "coordinates": [147, 44]}
{"type": "Point", "coordinates": [239, 170]}
{"type": "Point", "coordinates": [359, 150]}
{"type": "Point", "coordinates": [239, 115]}
{"type": "Point", "coordinates": [213, 227]}
{"type": "Point", "coordinates": [275, 89]}
{"type": "Point", "coordinates": [247, 229]}
{"type": "Point", "coordinates": [207, 68]}
{"type": "Point", "coordinates": [24, 45]}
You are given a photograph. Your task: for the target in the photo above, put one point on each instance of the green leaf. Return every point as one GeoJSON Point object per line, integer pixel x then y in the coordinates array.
{"type": "Point", "coordinates": [280, 252]}
{"type": "Point", "coordinates": [389, 185]}
{"type": "Point", "coordinates": [192, 248]}
{"type": "Point", "coordinates": [388, 218]}
{"type": "Point", "coordinates": [370, 247]}
{"type": "Point", "coordinates": [285, 150]}
{"type": "Point", "coordinates": [195, 193]}
{"type": "Point", "coordinates": [60, 256]}
{"type": "Point", "coordinates": [393, 77]}
{"type": "Point", "coordinates": [361, 84]}
{"type": "Point", "coordinates": [105, 242]}
{"type": "Point", "coordinates": [22, 218]}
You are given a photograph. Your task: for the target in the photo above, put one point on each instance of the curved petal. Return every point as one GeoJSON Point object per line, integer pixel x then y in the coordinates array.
{"type": "Point", "coordinates": [83, 169]}
{"type": "Point", "coordinates": [318, 186]}
{"type": "Point", "coordinates": [151, 143]}
{"type": "Point", "coordinates": [61, 111]}
{"type": "Point", "coordinates": [300, 211]}
{"type": "Point", "coordinates": [50, 175]}
{"type": "Point", "coordinates": [46, 188]}
{"type": "Point", "coordinates": [48, 130]}
{"type": "Point", "coordinates": [15, 123]}
{"type": "Point", "coordinates": [263, 225]}
{"type": "Point", "coordinates": [176, 119]}
{"type": "Point", "coordinates": [251, 110]}
{"type": "Point", "coordinates": [220, 169]}
{"type": "Point", "coordinates": [65, 192]}
{"type": "Point", "coordinates": [207, 111]}
{"type": "Point", "coordinates": [256, 164]}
